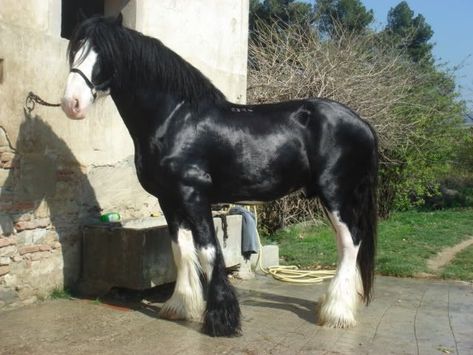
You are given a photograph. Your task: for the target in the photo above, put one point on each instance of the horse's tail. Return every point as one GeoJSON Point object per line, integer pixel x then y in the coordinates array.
{"type": "Point", "coordinates": [366, 220]}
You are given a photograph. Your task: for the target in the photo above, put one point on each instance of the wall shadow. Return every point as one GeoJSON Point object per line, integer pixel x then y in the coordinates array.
{"type": "Point", "coordinates": [47, 197]}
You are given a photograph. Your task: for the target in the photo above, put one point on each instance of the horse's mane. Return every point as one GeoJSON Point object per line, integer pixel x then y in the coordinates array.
{"type": "Point", "coordinates": [137, 61]}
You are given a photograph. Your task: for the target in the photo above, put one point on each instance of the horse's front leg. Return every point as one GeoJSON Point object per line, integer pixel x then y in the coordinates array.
{"type": "Point", "coordinates": [187, 300]}
{"type": "Point", "coordinates": [222, 313]}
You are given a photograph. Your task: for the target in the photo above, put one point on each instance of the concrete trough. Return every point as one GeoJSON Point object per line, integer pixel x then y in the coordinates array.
{"type": "Point", "coordinates": [137, 254]}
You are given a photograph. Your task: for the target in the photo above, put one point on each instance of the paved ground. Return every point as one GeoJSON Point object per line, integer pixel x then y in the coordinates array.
{"type": "Point", "coordinates": [407, 317]}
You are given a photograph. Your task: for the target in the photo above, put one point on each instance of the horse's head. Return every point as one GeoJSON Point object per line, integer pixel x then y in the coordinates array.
{"type": "Point", "coordinates": [91, 71]}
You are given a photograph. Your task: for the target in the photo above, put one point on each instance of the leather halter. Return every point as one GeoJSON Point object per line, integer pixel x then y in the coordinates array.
{"type": "Point", "coordinates": [93, 88]}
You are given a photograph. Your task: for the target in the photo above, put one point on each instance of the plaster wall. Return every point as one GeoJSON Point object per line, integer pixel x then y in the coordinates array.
{"type": "Point", "coordinates": [57, 174]}
{"type": "Point", "coordinates": [212, 35]}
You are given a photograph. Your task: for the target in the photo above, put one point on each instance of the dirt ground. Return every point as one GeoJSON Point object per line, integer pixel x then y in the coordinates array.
{"type": "Point", "coordinates": [407, 316]}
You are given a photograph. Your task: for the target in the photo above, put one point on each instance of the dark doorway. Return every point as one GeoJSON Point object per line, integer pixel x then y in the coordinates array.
{"type": "Point", "coordinates": [75, 11]}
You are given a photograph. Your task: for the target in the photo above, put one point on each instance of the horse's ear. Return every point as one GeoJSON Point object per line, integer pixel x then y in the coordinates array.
{"type": "Point", "coordinates": [119, 19]}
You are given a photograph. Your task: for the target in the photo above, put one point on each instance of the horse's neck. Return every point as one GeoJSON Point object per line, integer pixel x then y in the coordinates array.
{"type": "Point", "coordinates": [144, 112]}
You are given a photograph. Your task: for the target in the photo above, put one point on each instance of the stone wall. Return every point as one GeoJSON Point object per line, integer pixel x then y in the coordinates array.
{"type": "Point", "coordinates": [57, 174]}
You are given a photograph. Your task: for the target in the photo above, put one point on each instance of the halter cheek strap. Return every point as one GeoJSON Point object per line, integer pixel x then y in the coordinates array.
{"type": "Point", "coordinates": [91, 85]}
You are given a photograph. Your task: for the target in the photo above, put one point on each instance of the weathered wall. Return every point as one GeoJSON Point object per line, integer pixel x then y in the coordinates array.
{"type": "Point", "coordinates": [213, 35]}
{"type": "Point", "coordinates": [56, 174]}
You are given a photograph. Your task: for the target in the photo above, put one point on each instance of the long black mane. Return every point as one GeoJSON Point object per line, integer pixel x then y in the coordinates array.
{"type": "Point", "coordinates": [135, 61]}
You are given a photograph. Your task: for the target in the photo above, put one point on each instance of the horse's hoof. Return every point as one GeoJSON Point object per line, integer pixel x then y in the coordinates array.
{"type": "Point", "coordinates": [177, 309]}
{"type": "Point", "coordinates": [335, 315]}
{"type": "Point", "coordinates": [222, 316]}
{"type": "Point", "coordinates": [170, 314]}
{"type": "Point", "coordinates": [337, 322]}
{"type": "Point", "coordinates": [221, 323]}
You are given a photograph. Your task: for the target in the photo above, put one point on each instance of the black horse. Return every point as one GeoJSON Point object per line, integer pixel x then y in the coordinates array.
{"type": "Point", "coordinates": [193, 148]}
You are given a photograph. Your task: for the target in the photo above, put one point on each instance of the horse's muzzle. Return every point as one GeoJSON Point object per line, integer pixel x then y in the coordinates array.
{"type": "Point", "coordinates": [72, 108]}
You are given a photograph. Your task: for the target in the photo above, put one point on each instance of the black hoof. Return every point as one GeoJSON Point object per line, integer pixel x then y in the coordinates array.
{"type": "Point", "coordinates": [222, 323]}
{"type": "Point", "coordinates": [222, 316]}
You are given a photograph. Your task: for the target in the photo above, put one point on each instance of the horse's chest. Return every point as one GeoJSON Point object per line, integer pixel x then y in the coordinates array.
{"type": "Point", "coordinates": [147, 169]}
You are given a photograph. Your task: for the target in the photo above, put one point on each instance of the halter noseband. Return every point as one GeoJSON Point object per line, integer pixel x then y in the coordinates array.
{"type": "Point", "coordinates": [93, 88]}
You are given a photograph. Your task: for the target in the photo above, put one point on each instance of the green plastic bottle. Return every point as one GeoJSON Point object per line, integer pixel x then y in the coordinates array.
{"type": "Point", "coordinates": [111, 217]}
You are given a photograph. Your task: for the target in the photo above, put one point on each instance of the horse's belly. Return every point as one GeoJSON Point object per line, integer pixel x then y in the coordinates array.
{"type": "Point", "coordinates": [265, 183]}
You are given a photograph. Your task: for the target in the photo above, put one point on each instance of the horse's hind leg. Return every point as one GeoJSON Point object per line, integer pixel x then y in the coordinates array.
{"type": "Point", "coordinates": [338, 307]}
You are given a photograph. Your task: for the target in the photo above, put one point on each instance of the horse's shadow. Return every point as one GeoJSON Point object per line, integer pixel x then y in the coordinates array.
{"type": "Point", "coordinates": [47, 196]}
{"type": "Point", "coordinates": [303, 308]}
{"type": "Point", "coordinates": [149, 302]}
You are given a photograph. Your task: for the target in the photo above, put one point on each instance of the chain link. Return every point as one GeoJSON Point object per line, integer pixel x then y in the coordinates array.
{"type": "Point", "coordinates": [33, 99]}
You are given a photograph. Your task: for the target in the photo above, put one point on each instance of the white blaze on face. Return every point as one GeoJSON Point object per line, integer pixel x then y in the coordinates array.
{"type": "Point", "coordinates": [77, 95]}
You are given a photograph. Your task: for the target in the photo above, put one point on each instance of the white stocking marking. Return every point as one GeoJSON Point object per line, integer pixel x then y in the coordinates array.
{"type": "Point", "coordinates": [206, 258]}
{"type": "Point", "coordinates": [187, 300]}
{"type": "Point", "coordinates": [338, 306]}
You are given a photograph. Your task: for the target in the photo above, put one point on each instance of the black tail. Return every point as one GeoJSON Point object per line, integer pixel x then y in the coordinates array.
{"type": "Point", "coordinates": [366, 226]}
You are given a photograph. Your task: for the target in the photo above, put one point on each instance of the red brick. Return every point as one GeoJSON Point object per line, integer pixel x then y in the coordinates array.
{"type": "Point", "coordinates": [45, 248]}
{"type": "Point", "coordinates": [29, 249]}
{"type": "Point", "coordinates": [7, 160]}
{"type": "Point", "coordinates": [33, 224]}
{"type": "Point", "coordinates": [4, 270]}
{"type": "Point", "coordinates": [7, 156]}
{"type": "Point", "coordinates": [6, 242]}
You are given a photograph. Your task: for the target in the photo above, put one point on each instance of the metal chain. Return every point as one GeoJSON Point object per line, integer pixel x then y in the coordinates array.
{"type": "Point", "coordinates": [33, 99]}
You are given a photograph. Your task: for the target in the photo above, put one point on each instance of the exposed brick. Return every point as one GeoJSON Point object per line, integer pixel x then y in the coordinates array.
{"type": "Point", "coordinates": [45, 248]}
{"type": "Point", "coordinates": [4, 270]}
{"type": "Point", "coordinates": [29, 249]}
{"type": "Point", "coordinates": [7, 156]}
{"type": "Point", "coordinates": [31, 236]}
{"type": "Point", "coordinates": [39, 255]}
{"type": "Point", "coordinates": [7, 160]}
{"type": "Point", "coordinates": [33, 224]}
{"type": "Point", "coordinates": [8, 250]}
{"type": "Point", "coordinates": [6, 241]}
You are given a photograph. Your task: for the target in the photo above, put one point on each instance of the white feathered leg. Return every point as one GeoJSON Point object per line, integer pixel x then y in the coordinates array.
{"type": "Point", "coordinates": [187, 300]}
{"type": "Point", "coordinates": [338, 307]}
